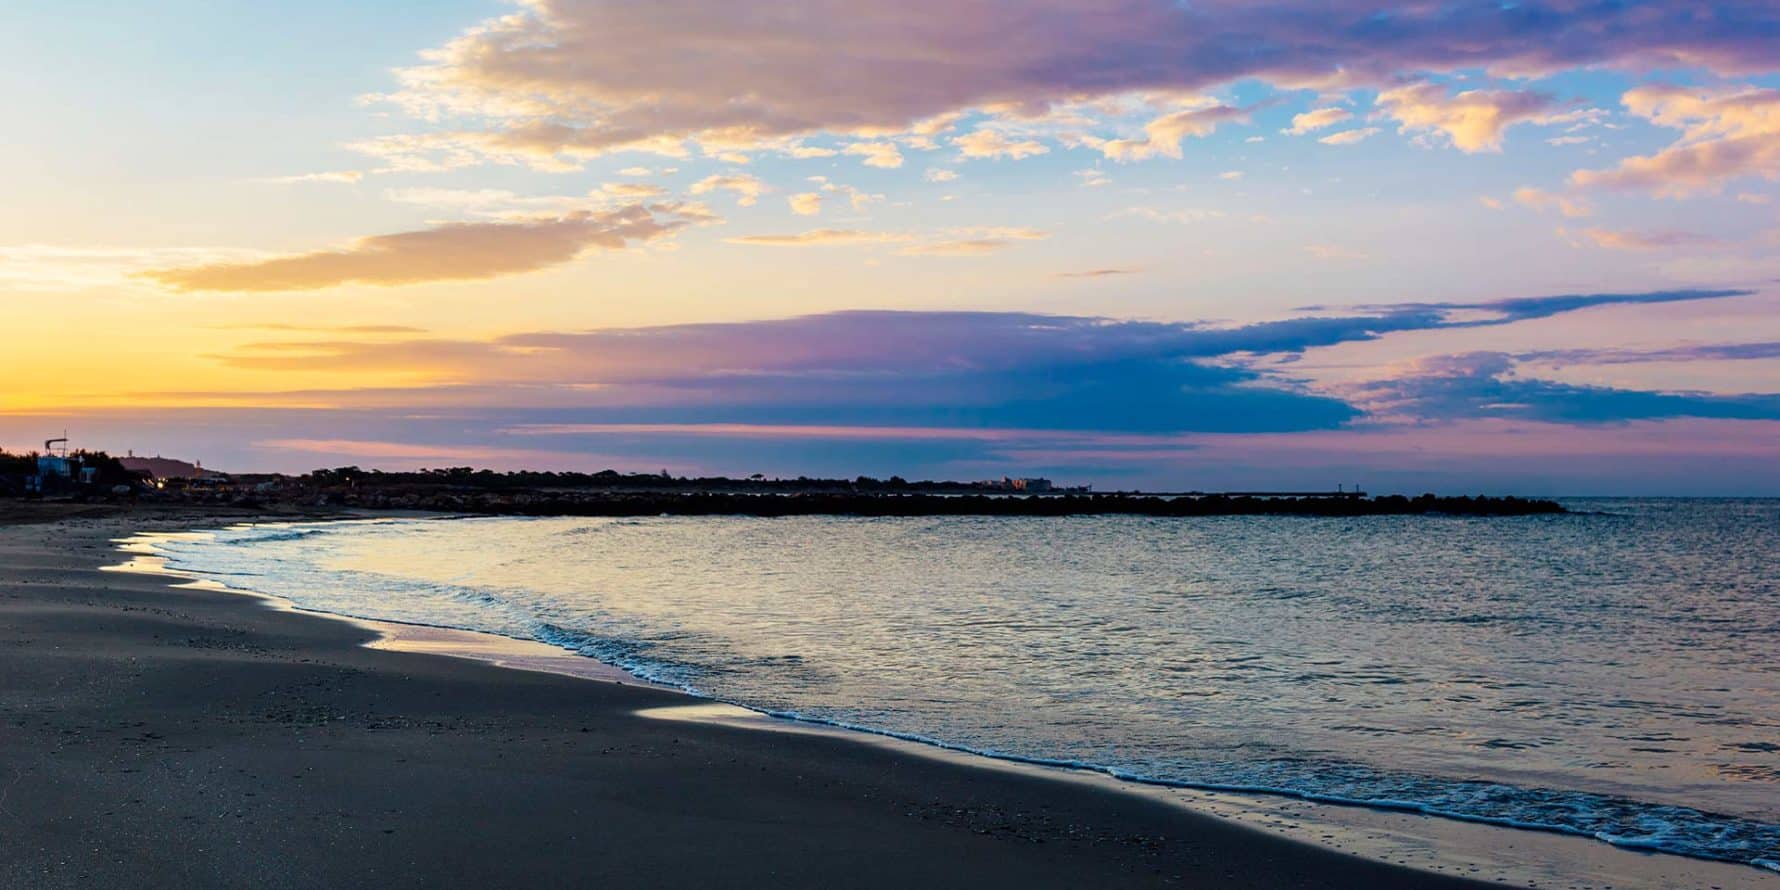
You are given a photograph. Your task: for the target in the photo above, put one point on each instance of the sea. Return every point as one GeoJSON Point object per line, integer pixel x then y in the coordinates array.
{"type": "Point", "coordinates": [1612, 673]}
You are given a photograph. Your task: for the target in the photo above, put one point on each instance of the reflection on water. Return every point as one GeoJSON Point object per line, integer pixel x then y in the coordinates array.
{"type": "Point", "coordinates": [1611, 674]}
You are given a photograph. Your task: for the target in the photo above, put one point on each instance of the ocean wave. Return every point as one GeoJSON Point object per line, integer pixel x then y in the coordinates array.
{"type": "Point", "coordinates": [1628, 824]}
{"type": "Point", "coordinates": [271, 535]}
{"type": "Point", "coordinates": [1625, 823]}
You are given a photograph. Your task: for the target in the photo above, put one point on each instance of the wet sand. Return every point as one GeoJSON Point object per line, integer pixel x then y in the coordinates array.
{"type": "Point", "coordinates": [157, 735]}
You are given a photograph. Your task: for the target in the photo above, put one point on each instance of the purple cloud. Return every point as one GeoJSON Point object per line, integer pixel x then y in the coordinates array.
{"type": "Point", "coordinates": [986, 370]}
{"type": "Point", "coordinates": [451, 252]}
{"type": "Point", "coordinates": [565, 79]}
{"type": "Point", "coordinates": [1482, 384]}
{"type": "Point", "coordinates": [1708, 352]}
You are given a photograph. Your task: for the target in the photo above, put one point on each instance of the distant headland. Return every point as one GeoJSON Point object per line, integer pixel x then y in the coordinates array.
{"type": "Point", "coordinates": [465, 490]}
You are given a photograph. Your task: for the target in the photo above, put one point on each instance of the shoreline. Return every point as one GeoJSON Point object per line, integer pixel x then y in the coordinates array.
{"type": "Point", "coordinates": [1362, 828]}
{"type": "Point", "coordinates": [1238, 825]}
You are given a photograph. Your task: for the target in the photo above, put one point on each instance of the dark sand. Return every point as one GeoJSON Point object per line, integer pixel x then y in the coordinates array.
{"type": "Point", "coordinates": [158, 736]}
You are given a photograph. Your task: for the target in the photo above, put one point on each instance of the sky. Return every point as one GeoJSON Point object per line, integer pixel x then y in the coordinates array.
{"type": "Point", "coordinates": [1454, 246]}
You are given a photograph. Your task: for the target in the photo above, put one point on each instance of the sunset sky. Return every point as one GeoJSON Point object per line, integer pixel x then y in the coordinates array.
{"type": "Point", "coordinates": [1461, 246]}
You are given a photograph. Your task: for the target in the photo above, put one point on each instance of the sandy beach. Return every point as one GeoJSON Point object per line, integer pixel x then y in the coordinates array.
{"type": "Point", "coordinates": [166, 736]}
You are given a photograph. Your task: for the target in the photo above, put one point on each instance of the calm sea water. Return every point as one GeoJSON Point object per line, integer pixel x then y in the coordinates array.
{"type": "Point", "coordinates": [1614, 673]}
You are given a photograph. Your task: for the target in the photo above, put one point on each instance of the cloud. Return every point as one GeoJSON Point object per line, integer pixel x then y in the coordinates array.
{"type": "Point", "coordinates": [835, 351]}
{"type": "Point", "coordinates": [909, 369]}
{"type": "Point", "coordinates": [633, 189]}
{"type": "Point", "coordinates": [1163, 135]}
{"type": "Point", "coordinates": [823, 432]}
{"type": "Point", "coordinates": [324, 329]}
{"type": "Point", "coordinates": [1703, 352]}
{"type": "Point", "coordinates": [1349, 137]}
{"type": "Point", "coordinates": [1482, 384]}
{"type": "Point", "coordinates": [877, 154]}
{"type": "Point", "coordinates": [1014, 233]}
{"type": "Point", "coordinates": [856, 198]}
{"type": "Point", "coordinates": [1726, 134]}
{"type": "Point", "coordinates": [337, 176]}
{"type": "Point", "coordinates": [821, 237]}
{"type": "Point", "coordinates": [1527, 308]}
{"type": "Point", "coordinates": [1542, 200]}
{"type": "Point", "coordinates": [451, 252]}
{"type": "Point", "coordinates": [806, 203]}
{"type": "Point", "coordinates": [885, 392]}
{"type": "Point", "coordinates": [939, 174]}
{"type": "Point", "coordinates": [967, 241]}
{"type": "Point", "coordinates": [1230, 175]}
{"type": "Point", "coordinates": [957, 247]}
{"type": "Point", "coordinates": [1515, 309]}
{"type": "Point", "coordinates": [806, 152]}
{"type": "Point", "coordinates": [558, 81]}
{"type": "Point", "coordinates": [1093, 178]}
{"type": "Point", "coordinates": [1473, 120]}
{"type": "Point", "coordinates": [1096, 273]}
{"type": "Point", "coordinates": [986, 143]}
{"type": "Point", "coordinates": [747, 189]}
{"type": "Point", "coordinates": [974, 242]}
{"type": "Point", "coordinates": [1316, 119]}
{"type": "Point", "coordinates": [1652, 240]}
{"type": "Point", "coordinates": [416, 453]}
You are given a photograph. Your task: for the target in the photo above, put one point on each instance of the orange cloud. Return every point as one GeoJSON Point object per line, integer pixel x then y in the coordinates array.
{"type": "Point", "coordinates": [1164, 135]}
{"type": "Point", "coordinates": [1096, 273]}
{"type": "Point", "coordinates": [1349, 137]}
{"type": "Point", "coordinates": [877, 154]}
{"type": "Point", "coordinates": [1316, 120]}
{"type": "Point", "coordinates": [858, 199]}
{"type": "Point", "coordinates": [975, 241]}
{"type": "Point", "coordinates": [1472, 121]}
{"type": "Point", "coordinates": [820, 237]}
{"type": "Point", "coordinates": [967, 241]}
{"type": "Point", "coordinates": [986, 143]}
{"type": "Point", "coordinates": [1726, 135]}
{"type": "Point", "coordinates": [452, 252]}
{"type": "Point", "coordinates": [633, 189]}
{"type": "Point", "coordinates": [747, 189]}
{"type": "Point", "coordinates": [341, 176]}
{"type": "Point", "coordinates": [958, 247]}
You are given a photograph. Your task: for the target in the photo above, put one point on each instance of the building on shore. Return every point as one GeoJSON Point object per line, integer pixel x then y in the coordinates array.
{"type": "Point", "coordinates": [56, 471]}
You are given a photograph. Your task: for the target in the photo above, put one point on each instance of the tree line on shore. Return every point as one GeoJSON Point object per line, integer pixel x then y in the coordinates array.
{"type": "Point", "coordinates": [610, 493]}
